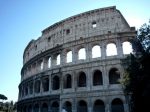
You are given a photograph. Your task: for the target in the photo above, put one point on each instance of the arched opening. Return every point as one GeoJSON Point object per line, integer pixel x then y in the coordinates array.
{"type": "Point", "coordinates": [114, 76]}
{"type": "Point", "coordinates": [55, 107]}
{"type": "Point", "coordinates": [67, 81]}
{"type": "Point", "coordinates": [58, 59]}
{"type": "Point", "coordinates": [56, 83]}
{"type": "Point", "coordinates": [82, 54]}
{"type": "Point", "coordinates": [82, 79]}
{"type": "Point", "coordinates": [30, 108]}
{"type": "Point", "coordinates": [45, 84]}
{"type": "Point", "coordinates": [69, 57]}
{"type": "Point", "coordinates": [99, 106]}
{"type": "Point", "coordinates": [26, 90]}
{"type": "Point", "coordinates": [94, 24]}
{"type": "Point", "coordinates": [82, 106]}
{"type": "Point", "coordinates": [97, 78]}
{"type": "Point", "coordinates": [36, 108]}
{"type": "Point", "coordinates": [49, 62]}
{"type": "Point", "coordinates": [25, 109]}
{"type": "Point", "coordinates": [68, 106]}
{"type": "Point", "coordinates": [96, 51]}
{"type": "Point", "coordinates": [44, 108]}
{"type": "Point", "coordinates": [31, 88]}
{"type": "Point", "coordinates": [37, 86]}
{"type": "Point", "coordinates": [117, 105]}
{"type": "Point", "coordinates": [111, 49]}
{"type": "Point", "coordinates": [127, 47]}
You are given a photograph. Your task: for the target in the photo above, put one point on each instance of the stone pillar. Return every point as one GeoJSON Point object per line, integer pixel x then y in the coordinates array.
{"type": "Point", "coordinates": [103, 51]}
{"type": "Point", "coordinates": [89, 105]}
{"type": "Point", "coordinates": [45, 63]}
{"type": "Point", "coordinates": [108, 108]}
{"type": "Point", "coordinates": [53, 61]}
{"type": "Point", "coordinates": [63, 57]}
{"type": "Point", "coordinates": [50, 88]}
{"type": "Point", "coordinates": [119, 49]}
{"type": "Point", "coordinates": [33, 87]}
{"type": "Point", "coordinates": [74, 105]}
{"type": "Point", "coordinates": [88, 79]}
{"type": "Point", "coordinates": [74, 55]}
{"type": "Point", "coordinates": [126, 107]}
{"type": "Point", "coordinates": [41, 86]}
{"type": "Point", "coordinates": [88, 52]}
{"type": "Point", "coordinates": [105, 77]}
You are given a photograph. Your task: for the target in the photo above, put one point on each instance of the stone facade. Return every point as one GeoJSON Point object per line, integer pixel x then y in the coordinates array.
{"type": "Point", "coordinates": [56, 76]}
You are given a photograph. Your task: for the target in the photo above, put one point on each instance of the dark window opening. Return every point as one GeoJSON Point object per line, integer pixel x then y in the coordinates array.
{"type": "Point", "coordinates": [49, 39]}
{"type": "Point", "coordinates": [114, 76]}
{"type": "Point", "coordinates": [56, 83]}
{"type": "Point", "coordinates": [26, 90]}
{"type": "Point", "coordinates": [30, 108]}
{"type": "Point", "coordinates": [82, 80]}
{"type": "Point", "coordinates": [82, 106]}
{"type": "Point", "coordinates": [44, 108]}
{"type": "Point", "coordinates": [45, 84]}
{"type": "Point", "coordinates": [36, 108]}
{"type": "Point", "coordinates": [31, 88]}
{"type": "Point", "coordinates": [35, 47]}
{"type": "Point", "coordinates": [37, 87]}
{"type": "Point", "coordinates": [67, 31]}
{"type": "Point", "coordinates": [99, 106]}
{"type": "Point", "coordinates": [68, 106]}
{"type": "Point", "coordinates": [97, 78]}
{"type": "Point", "coordinates": [117, 105]}
{"type": "Point", "coordinates": [94, 25]}
{"type": "Point", "coordinates": [67, 81]}
{"type": "Point", "coordinates": [55, 107]}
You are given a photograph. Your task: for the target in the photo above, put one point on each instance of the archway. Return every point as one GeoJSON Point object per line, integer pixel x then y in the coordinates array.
{"type": "Point", "coordinates": [82, 106]}
{"type": "Point", "coordinates": [117, 105]}
{"type": "Point", "coordinates": [99, 106]}
{"type": "Point", "coordinates": [97, 78]}
{"type": "Point", "coordinates": [114, 76]}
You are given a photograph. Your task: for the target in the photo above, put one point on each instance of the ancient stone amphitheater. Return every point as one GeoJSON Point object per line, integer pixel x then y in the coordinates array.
{"type": "Point", "coordinates": [75, 65]}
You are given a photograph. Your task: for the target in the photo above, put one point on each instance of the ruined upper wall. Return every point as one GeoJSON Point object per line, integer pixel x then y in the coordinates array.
{"type": "Point", "coordinates": [88, 24]}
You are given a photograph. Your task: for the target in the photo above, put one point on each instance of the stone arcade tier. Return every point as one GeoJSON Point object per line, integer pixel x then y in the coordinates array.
{"type": "Point", "coordinates": [72, 67]}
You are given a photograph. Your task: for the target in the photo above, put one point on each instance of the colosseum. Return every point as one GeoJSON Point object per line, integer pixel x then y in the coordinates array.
{"type": "Point", "coordinates": [75, 65]}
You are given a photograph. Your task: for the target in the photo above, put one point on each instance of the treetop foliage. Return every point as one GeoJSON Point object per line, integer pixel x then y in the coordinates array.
{"type": "Point", "coordinates": [3, 97]}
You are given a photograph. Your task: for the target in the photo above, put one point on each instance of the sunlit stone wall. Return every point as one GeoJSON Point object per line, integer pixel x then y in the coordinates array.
{"type": "Point", "coordinates": [76, 64]}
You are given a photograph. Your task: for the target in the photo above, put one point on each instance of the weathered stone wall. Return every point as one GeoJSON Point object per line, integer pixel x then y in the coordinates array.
{"type": "Point", "coordinates": [71, 85]}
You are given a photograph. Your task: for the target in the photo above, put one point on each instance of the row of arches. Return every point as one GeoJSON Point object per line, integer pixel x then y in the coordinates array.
{"type": "Point", "coordinates": [43, 84]}
{"type": "Point", "coordinates": [82, 106]}
{"type": "Point", "coordinates": [111, 50]}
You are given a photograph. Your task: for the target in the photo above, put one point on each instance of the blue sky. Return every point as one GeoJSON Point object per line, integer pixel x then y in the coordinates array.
{"type": "Point", "coordinates": [23, 20]}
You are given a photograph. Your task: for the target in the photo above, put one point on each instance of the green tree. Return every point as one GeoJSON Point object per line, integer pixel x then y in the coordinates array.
{"type": "Point", "coordinates": [3, 97]}
{"type": "Point", "coordinates": [137, 76]}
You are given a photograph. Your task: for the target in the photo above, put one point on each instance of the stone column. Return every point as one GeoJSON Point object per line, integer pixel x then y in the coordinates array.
{"type": "Point", "coordinates": [108, 108]}
{"type": "Point", "coordinates": [103, 51]}
{"type": "Point", "coordinates": [74, 105]}
{"type": "Point", "coordinates": [89, 105]}
{"type": "Point", "coordinates": [126, 107]}
{"type": "Point", "coordinates": [50, 88]}
{"type": "Point", "coordinates": [74, 55]}
{"type": "Point", "coordinates": [33, 87]}
{"type": "Point", "coordinates": [45, 63]}
{"type": "Point", "coordinates": [63, 57]}
{"type": "Point", "coordinates": [41, 86]}
{"type": "Point", "coordinates": [88, 52]}
{"type": "Point", "coordinates": [119, 49]}
{"type": "Point", "coordinates": [105, 77]}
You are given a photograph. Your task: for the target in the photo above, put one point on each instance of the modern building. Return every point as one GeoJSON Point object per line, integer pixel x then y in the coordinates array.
{"type": "Point", "coordinates": [75, 65]}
